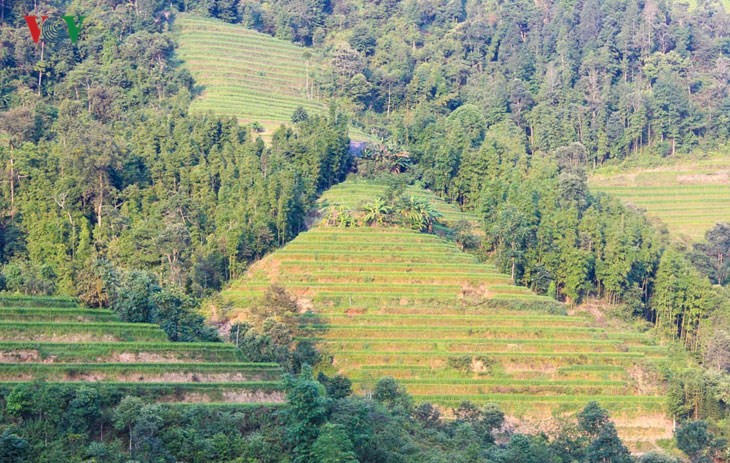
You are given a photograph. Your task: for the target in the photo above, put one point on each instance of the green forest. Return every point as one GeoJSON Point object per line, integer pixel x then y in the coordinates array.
{"type": "Point", "coordinates": [112, 193]}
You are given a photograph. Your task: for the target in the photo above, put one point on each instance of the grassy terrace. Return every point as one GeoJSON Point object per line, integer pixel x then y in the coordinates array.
{"type": "Point", "coordinates": [111, 331]}
{"type": "Point", "coordinates": [142, 372]}
{"type": "Point", "coordinates": [75, 352]}
{"type": "Point", "coordinates": [55, 340]}
{"type": "Point", "coordinates": [689, 198]}
{"type": "Point", "coordinates": [55, 314]}
{"type": "Point", "coordinates": [243, 73]}
{"type": "Point", "coordinates": [33, 301]}
{"type": "Point", "coordinates": [392, 302]}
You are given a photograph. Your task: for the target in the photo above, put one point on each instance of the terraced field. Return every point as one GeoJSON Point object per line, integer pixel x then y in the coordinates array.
{"type": "Point", "coordinates": [248, 75]}
{"type": "Point", "coordinates": [55, 340]}
{"type": "Point", "coordinates": [244, 74]}
{"type": "Point", "coordinates": [689, 198]}
{"type": "Point", "coordinates": [390, 301]}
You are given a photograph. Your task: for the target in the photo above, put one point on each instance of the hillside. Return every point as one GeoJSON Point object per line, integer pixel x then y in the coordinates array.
{"type": "Point", "coordinates": [395, 302]}
{"type": "Point", "coordinates": [245, 74]}
{"type": "Point", "coordinates": [129, 183]}
{"type": "Point", "coordinates": [689, 198]}
{"type": "Point", "coordinates": [55, 340]}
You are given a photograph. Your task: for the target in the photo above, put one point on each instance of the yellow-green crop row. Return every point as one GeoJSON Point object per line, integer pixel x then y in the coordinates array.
{"type": "Point", "coordinates": [11, 300]}
{"type": "Point", "coordinates": [55, 314]}
{"type": "Point", "coordinates": [102, 351]}
{"type": "Point", "coordinates": [140, 372]}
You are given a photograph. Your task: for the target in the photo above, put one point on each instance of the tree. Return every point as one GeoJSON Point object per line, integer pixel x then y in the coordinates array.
{"type": "Point", "coordinates": [466, 127]}
{"type": "Point", "coordinates": [428, 415]}
{"type": "Point", "coordinates": [573, 189]}
{"type": "Point", "coordinates": [376, 212]}
{"type": "Point", "coordinates": [148, 426]}
{"type": "Point", "coordinates": [177, 316]}
{"type": "Point", "coordinates": [696, 441]}
{"type": "Point", "coordinates": [681, 299]}
{"type": "Point", "coordinates": [278, 305]}
{"type": "Point", "coordinates": [134, 299]}
{"type": "Point", "coordinates": [418, 214]}
{"type": "Point", "coordinates": [512, 233]}
{"type": "Point", "coordinates": [95, 155]}
{"type": "Point", "coordinates": [483, 420]}
{"type": "Point", "coordinates": [671, 109]}
{"type": "Point", "coordinates": [592, 419]}
{"type": "Point", "coordinates": [305, 353]}
{"type": "Point", "coordinates": [606, 447]}
{"type": "Point", "coordinates": [716, 352]}
{"type": "Point", "coordinates": [717, 250]}
{"type": "Point", "coordinates": [346, 61]}
{"type": "Point", "coordinates": [333, 446]}
{"type": "Point", "coordinates": [393, 395]}
{"type": "Point", "coordinates": [571, 158]}
{"type": "Point", "coordinates": [299, 115]}
{"type": "Point", "coordinates": [125, 416]}
{"type": "Point", "coordinates": [360, 90]}
{"type": "Point", "coordinates": [83, 411]}
{"type": "Point", "coordinates": [13, 449]}
{"type": "Point", "coordinates": [363, 40]}
{"type": "Point", "coordinates": [20, 126]}
{"type": "Point", "coordinates": [173, 242]}
{"type": "Point", "coordinates": [305, 414]}
{"type": "Point", "coordinates": [337, 387]}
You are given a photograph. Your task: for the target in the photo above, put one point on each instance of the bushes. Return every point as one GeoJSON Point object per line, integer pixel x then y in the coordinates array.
{"type": "Point", "coordinates": [137, 297]}
{"type": "Point", "coordinates": [320, 422]}
{"type": "Point", "coordinates": [697, 442]}
{"type": "Point", "coordinates": [271, 337]}
{"type": "Point", "coordinates": [25, 277]}
{"type": "Point", "coordinates": [468, 363]}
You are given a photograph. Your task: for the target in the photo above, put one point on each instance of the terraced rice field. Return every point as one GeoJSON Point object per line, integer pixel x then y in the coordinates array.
{"type": "Point", "coordinates": [393, 302]}
{"type": "Point", "coordinates": [689, 198]}
{"type": "Point", "coordinates": [55, 340]}
{"type": "Point", "coordinates": [245, 74]}
{"type": "Point", "coordinates": [248, 75]}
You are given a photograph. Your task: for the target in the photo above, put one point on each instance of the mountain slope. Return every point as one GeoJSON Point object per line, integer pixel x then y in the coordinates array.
{"type": "Point", "coordinates": [395, 302]}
